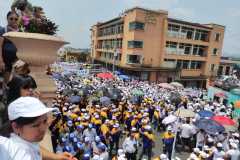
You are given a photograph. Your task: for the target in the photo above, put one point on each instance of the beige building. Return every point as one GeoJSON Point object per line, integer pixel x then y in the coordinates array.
{"type": "Point", "coordinates": [150, 45]}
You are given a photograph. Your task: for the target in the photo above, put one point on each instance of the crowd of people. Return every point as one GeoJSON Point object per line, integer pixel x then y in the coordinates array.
{"type": "Point", "coordinates": [106, 119]}
{"type": "Point", "coordinates": [109, 119]}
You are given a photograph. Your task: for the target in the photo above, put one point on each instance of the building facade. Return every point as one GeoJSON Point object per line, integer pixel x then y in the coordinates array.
{"type": "Point", "coordinates": [150, 45]}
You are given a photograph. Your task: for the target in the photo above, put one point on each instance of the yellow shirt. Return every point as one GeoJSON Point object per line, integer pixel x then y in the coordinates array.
{"type": "Point", "coordinates": [150, 136]}
{"type": "Point", "coordinates": [104, 129]}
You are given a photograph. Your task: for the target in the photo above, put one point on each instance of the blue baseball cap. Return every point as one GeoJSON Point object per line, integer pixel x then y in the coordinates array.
{"type": "Point", "coordinates": [86, 157]}
{"type": "Point", "coordinates": [69, 123]}
{"type": "Point", "coordinates": [67, 149]}
{"type": "Point", "coordinates": [75, 140]}
{"type": "Point", "coordinates": [80, 126]}
{"type": "Point", "coordinates": [63, 140]}
{"type": "Point", "coordinates": [80, 145]}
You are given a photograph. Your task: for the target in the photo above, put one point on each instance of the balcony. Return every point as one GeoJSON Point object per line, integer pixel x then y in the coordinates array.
{"type": "Point", "coordinates": [170, 65]}
{"type": "Point", "coordinates": [112, 36]}
{"type": "Point", "coordinates": [191, 72]}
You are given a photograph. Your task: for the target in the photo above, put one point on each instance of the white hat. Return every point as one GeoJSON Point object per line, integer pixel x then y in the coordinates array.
{"type": "Point", "coordinates": [192, 156]}
{"type": "Point", "coordinates": [236, 135]}
{"type": "Point", "coordinates": [120, 152]}
{"type": "Point", "coordinates": [169, 128]}
{"type": "Point", "coordinates": [234, 145]}
{"type": "Point", "coordinates": [163, 157]}
{"type": "Point", "coordinates": [196, 150]}
{"type": "Point", "coordinates": [27, 107]}
{"type": "Point", "coordinates": [210, 139]}
{"type": "Point", "coordinates": [219, 145]}
{"type": "Point", "coordinates": [96, 157]}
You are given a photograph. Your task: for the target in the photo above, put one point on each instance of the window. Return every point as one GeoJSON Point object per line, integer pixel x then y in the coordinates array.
{"type": "Point", "coordinates": [179, 64]}
{"type": "Point", "coordinates": [136, 26]}
{"type": "Point", "coordinates": [193, 65]}
{"type": "Point", "coordinates": [187, 49]}
{"type": "Point", "coordinates": [227, 72]}
{"type": "Point", "coordinates": [169, 60]}
{"type": "Point", "coordinates": [215, 51]}
{"type": "Point", "coordinates": [212, 67]}
{"type": "Point", "coordinates": [217, 37]}
{"type": "Point", "coordinates": [185, 64]}
{"type": "Point", "coordinates": [134, 59]}
{"type": "Point", "coordinates": [197, 35]}
{"type": "Point", "coordinates": [220, 70]}
{"type": "Point", "coordinates": [135, 44]}
{"type": "Point", "coordinates": [198, 65]}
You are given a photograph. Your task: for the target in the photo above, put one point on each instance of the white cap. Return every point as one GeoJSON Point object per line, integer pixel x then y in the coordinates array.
{"type": "Point", "coordinates": [219, 145]}
{"type": "Point", "coordinates": [163, 157]}
{"type": "Point", "coordinates": [236, 135]}
{"type": "Point", "coordinates": [196, 150]}
{"type": "Point", "coordinates": [96, 157]}
{"type": "Point", "coordinates": [234, 145]}
{"type": "Point", "coordinates": [210, 140]}
{"type": "Point", "coordinates": [27, 107]}
{"type": "Point", "coordinates": [169, 128]}
{"type": "Point", "coordinates": [120, 152]}
{"type": "Point", "coordinates": [192, 156]}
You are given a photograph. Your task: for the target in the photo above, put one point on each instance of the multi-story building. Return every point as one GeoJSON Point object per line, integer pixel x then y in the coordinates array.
{"type": "Point", "coordinates": [150, 45]}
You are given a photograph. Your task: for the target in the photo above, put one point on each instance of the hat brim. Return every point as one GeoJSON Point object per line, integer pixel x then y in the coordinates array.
{"type": "Point", "coordinates": [39, 112]}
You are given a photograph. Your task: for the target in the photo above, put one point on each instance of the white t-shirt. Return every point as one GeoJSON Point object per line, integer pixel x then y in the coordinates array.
{"type": "Point", "coordinates": [234, 154]}
{"type": "Point", "coordinates": [187, 131]}
{"type": "Point", "coordinates": [15, 148]}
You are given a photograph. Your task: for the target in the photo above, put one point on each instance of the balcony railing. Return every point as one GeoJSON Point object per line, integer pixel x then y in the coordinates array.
{"type": "Point", "coordinates": [191, 72]}
{"type": "Point", "coordinates": [170, 65]}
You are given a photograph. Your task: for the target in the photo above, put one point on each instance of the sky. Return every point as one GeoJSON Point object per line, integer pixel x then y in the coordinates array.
{"type": "Point", "coordinates": [75, 17]}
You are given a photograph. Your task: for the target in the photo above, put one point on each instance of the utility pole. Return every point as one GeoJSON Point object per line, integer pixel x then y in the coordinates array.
{"type": "Point", "coordinates": [115, 53]}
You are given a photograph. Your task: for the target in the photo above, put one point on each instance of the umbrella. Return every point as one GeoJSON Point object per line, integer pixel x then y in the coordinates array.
{"type": "Point", "coordinates": [236, 113]}
{"type": "Point", "coordinates": [184, 113]}
{"type": "Point", "coordinates": [166, 86]}
{"type": "Point", "coordinates": [223, 120]}
{"type": "Point", "coordinates": [230, 128]}
{"type": "Point", "coordinates": [176, 84]}
{"type": "Point", "coordinates": [117, 72]}
{"type": "Point", "coordinates": [221, 95]}
{"type": "Point", "coordinates": [175, 97]}
{"type": "Point", "coordinates": [235, 91]}
{"type": "Point", "coordinates": [169, 119]}
{"type": "Point", "coordinates": [135, 100]}
{"type": "Point", "coordinates": [205, 113]}
{"type": "Point", "coordinates": [105, 101]}
{"type": "Point", "coordinates": [124, 77]}
{"type": "Point", "coordinates": [115, 94]}
{"type": "Point", "coordinates": [209, 126]}
{"type": "Point", "coordinates": [105, 75]}
{"type": "Point", "coordinates": [103, 91]}
{"type": "Point", "coordinates": [93, 99]}
{"type": "Point", "coordinates": [237, 104]}
{"type": "Point", "coordinates": [74, 99]}
{"type": "Point", "coordinates": [137, 92]}
{"type": "Point", "coordinates": [66, 92]}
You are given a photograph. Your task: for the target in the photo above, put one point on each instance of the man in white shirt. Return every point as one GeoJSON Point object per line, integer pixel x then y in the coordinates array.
{"type": "Point", "coordinates": [233, 153]}
{"type": "Point", "coordinates": [130, 147]}
{"type": "Point", "coordinates": [186, 133]}
{"type": "Point", "coordinates": [218, 152]}
{"type": "Point", "coordinates": [90, 132]}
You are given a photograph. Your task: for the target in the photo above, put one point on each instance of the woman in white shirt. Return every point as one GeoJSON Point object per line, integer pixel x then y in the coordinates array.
{"type": "Point", "coordinates": [29, 122]}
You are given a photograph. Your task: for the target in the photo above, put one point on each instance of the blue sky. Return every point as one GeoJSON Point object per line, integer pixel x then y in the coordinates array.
{"type": "Point", "coordinates": [75, 17]}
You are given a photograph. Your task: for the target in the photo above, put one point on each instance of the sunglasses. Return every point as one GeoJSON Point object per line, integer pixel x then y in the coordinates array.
{"type": "Point", "coordinates": [13, 19]}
